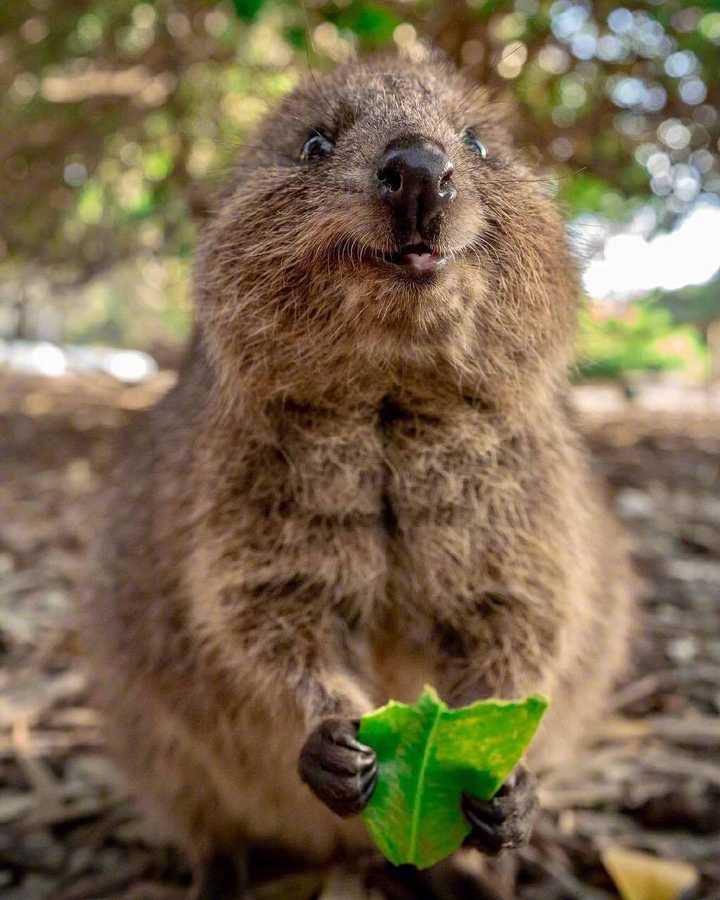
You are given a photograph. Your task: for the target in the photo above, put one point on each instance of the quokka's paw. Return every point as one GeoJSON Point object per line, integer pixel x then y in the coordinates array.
{"type": "Point", "coordinates": [339, 770]}
{"type": "Point", "coordinates": [506, 821]}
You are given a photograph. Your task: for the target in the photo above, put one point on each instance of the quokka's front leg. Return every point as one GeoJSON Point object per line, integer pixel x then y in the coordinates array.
{"type": "Point", "coordinates": [322, 677]}
{"type": "Point", "coordinates": [303, 674]}
{"type": "Point", "coordinates": [294, 567]}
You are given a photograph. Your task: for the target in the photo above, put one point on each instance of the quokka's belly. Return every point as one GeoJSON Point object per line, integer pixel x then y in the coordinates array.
{"type": "Point", "coordinates": [403, 658]}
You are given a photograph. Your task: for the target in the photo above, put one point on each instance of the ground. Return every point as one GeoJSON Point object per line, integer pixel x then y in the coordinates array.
{"type": "Point", "coordinates": [651, 781]}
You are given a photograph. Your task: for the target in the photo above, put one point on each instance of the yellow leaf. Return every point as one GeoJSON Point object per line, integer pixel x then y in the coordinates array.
{"type": "Point", "coordinates": [640, 876]}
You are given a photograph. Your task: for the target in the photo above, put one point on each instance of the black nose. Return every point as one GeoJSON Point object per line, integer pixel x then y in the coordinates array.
{"type": "Point", "coordinates": [414, 179]}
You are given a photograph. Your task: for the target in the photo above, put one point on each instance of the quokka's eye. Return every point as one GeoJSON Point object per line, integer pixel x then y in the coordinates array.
{"type": "Point", "coordinates": [473, 141]}
{"type": "Point", "coordinates": [317, 146]}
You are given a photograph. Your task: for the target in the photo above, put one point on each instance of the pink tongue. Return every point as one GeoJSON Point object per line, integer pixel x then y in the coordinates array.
{"type": "Point", "coordinates": [420, 262]}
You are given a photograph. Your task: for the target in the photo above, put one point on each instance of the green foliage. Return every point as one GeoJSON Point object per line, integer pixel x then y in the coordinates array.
{"type": "Point", "coordinates": [248, 9]}
{"type": "Point", "coordinates": [373, 24]}
{"type": "Point", "coordinates": [120, 117]}
{"type": "Point", "coordinates": [141, 303]}
{"type": "Point", "coordinates": [595, 85]}
{"type": "Point", "coordinates": [643, 338]}
{"type": "Point", "coordinates": [698, 304]}
{"type": "Point", "coordinates": [428, 757]}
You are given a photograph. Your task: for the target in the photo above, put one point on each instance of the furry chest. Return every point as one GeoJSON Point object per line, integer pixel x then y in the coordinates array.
{"type": "Point", "coordinates": [392, 509]}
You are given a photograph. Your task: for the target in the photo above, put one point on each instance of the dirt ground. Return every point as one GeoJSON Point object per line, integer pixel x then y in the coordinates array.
{"type": "Point", "coordinates": [650, 782]}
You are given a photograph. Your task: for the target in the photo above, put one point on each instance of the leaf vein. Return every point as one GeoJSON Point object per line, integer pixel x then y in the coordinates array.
{"type": "Point", "coordinates": [415, 824]}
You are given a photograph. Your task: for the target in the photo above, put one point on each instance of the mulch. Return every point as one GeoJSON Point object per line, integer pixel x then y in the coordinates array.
{"type": "Point", "coordinates": [650, 782]}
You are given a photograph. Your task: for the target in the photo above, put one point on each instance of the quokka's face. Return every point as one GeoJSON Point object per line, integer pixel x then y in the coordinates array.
{"type": "Point", "coordinates": [390, 190]}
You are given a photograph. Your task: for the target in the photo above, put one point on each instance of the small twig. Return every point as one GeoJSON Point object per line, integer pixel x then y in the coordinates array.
{"type": "Point", "coordinates": [48, 789]}
{"type": "Point", "coordinates": [565, 879]}
{"type": "Point", "coordinates": [668, 679]}
{"type": "Point", "coordinates": [70, 812]}
{"type": "Point", "coordinates": [605, 828]}
{"type": "Point", "coordinates": [53, 744]}
{"type": "Point", "coordinates": [696, 730]}
{"type": "Point", "coordinates": [677, 764]}
{"type": "Point", "coordinates": [107, 884]}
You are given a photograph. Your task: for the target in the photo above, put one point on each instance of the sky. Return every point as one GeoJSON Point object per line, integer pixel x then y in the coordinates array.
{"type": "Point", "coordinates": [631, 263]}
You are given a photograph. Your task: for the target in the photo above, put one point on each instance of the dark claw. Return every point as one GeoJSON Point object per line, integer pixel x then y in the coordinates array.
{"type": "Point", "coordinates": [486, 838]}
{"type": "Point", "coordinates": [506, 821]}
{"type": "Point", "coordinates": [482, 812]}
{"type": "Point", "coordinates": [368, 783]}
{"type": "Point", "coordinates": [339, 770]}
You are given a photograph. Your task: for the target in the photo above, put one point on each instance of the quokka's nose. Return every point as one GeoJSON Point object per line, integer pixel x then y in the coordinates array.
{"type": "Point", "coordinates": [415, 181]}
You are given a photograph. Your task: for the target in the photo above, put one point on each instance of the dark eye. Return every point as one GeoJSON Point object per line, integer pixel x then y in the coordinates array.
{"type": "Point", "coordinates": [317, 146]}
{"type": "Point", "coordinates": [474, 142]}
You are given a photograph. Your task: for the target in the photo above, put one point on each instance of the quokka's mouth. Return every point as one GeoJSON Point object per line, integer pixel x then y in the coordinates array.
{"type": "Point", "coordinates": [418, 261]}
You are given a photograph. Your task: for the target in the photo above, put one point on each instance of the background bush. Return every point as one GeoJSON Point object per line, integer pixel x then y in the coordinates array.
{"type": "Point", "coordinates": [120, 117]}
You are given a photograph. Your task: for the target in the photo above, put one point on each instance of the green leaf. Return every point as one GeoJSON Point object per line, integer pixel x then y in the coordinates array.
{"type": "Point", "coordinates": [248, 10]}
{"type": "Point", "coordinates": [428, 756]}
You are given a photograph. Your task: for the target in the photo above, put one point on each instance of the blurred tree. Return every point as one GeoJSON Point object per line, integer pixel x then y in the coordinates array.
{"type": "Point", "coordinates": [640, 338]}
{"type": "Point", "coordinates": [119, 114]}
{"type": "Point", "coordinates": [697, 303]}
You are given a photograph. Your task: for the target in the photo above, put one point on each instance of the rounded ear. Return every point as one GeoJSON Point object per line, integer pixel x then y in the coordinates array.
{"type": "Point", "coordinates": [421, 51]}
{"type": "Point", "coordinates": [439, 57]}
{"type": "Point", "coordinates": [506, 113]}
{"type": "Point", "coordinates": [495, 109]}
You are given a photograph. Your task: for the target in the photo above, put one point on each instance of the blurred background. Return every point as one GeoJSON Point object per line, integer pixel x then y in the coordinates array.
{"type": "Point", "coordinates": [119, 121]}
{"type": "Point", "coordinates": [120, 117]}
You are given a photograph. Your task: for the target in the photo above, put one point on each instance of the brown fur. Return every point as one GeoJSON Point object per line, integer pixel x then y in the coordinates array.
{"type": "Point", "coordinates": [359, 485]}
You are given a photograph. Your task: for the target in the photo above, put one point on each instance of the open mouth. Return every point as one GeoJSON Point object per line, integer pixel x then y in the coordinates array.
{"type": "Point", "coordinates": [419, 261]}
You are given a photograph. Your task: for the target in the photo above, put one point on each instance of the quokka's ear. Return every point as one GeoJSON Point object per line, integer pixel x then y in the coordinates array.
{"type": "Point", "coordinates": [493, 109]}
{"type": "Point", "coordinates": [419, 50]}
{"type": "Point", "coordinates": [435, 56]}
